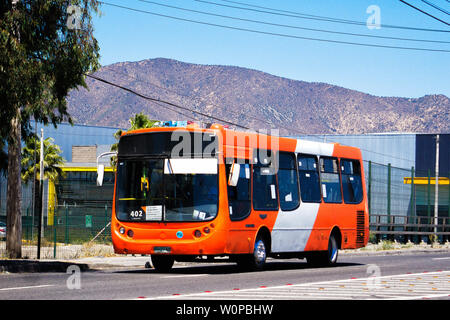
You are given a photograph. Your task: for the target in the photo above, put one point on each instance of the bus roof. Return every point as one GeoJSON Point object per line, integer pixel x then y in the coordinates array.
{"type": "Point", "coordinates": [244, 141]}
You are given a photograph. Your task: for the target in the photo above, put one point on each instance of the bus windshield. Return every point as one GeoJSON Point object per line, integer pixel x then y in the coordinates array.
{"type": "Point", "coordinates": [148, 191]}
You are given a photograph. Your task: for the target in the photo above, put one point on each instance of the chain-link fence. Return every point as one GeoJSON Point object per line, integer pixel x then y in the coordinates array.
{"type": "Point", "coordinates": [76, 219]}
{"type": "Point", "coordinates": [72, 232]}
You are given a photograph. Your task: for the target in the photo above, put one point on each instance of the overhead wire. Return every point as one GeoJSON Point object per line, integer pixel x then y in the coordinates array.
{"type": "Point", "coordinates": [201, 100]}
{"type": "Point", "coordinates": [312, 17]}
{"type": "Point", "coordinates": [222, 120]}
{"type": "Point", "coordinates": [298, 14]}
{"type": "Point", "coordinates": [291, 26]}
{"type": "Point", "coordinates": [424, 12]}
{"type": "Point", "coordinates": [154, 101]}
{"type": "Point", "coordinates": [275, 33]}
{"type": "Point", "coordinates": [436, 7]}
{"type": "Point", "coordinates": [163, 101]}
{"type": "Point", "coordinates": [289, 129]}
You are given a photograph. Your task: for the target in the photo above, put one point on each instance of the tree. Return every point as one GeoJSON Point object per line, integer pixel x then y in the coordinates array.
{"type": "Point", "coordinates": [46, 47]}
{"type": "Point", "coordinates": [53, 162]}
{"type": "Point", "coordinates": [31, 154]}
{"type": "Point", "coordinates": [139, 121]}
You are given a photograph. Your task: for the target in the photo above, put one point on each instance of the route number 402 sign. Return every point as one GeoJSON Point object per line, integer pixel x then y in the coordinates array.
{"type": "Point", "coordinates": [151, 213]}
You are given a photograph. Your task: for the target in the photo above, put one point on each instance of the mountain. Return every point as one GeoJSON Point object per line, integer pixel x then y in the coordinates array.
{"type": "Point", "coordinates": [250, 98]}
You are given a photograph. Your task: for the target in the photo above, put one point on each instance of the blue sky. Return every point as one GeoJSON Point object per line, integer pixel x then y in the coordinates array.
{"type": "Point", "coordinates": [126, 35]}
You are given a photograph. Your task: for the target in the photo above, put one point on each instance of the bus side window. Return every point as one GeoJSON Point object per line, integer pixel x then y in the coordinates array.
{"type": "Point", "coordinates": [239, 195]}
{"type": "Point", "coordinates": [308, 175]}
{"type": "Point", "coordinates": [351, 181]}
{"type": "Point", "coordinates": [288, 182]}
{"type": "Point", "coordinates": [265, 191]}
{"type": "Point", "coordinates": [331, 185]}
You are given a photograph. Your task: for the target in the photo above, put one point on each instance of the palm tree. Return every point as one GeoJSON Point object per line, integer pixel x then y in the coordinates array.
{"type": "Point", "coordinates": [53, 162]}
{"type": "Point", "coordinates": [139, 121]}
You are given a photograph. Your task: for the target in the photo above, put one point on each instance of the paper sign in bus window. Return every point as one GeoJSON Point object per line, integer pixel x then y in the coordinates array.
{"type": "Point", "coordinates": [153, 213]}
{"type": "Point", "coordinates": [288, 197]}
{"type": "Point", "coordinates": [195, 214]}
{"type": "Point", "coordinates": [324, 190]}
{"type": "Point", "coordinates": [272, 191]}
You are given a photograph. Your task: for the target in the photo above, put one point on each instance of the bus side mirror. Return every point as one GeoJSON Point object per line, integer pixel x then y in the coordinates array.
{"type": "Point", "coordinates": [101, 167]}
{"type": "Point", "coordinates": [234, 174]}
{"type": "Point", "coordinates": [100, 174]}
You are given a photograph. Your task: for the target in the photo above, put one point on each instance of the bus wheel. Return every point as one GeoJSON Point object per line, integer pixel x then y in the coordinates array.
{"type": "Point", "coordinates": [332, 253]}
{"type": "Point", "coordinates": [257, 260]}
{"type": "Point", "coordinates": [326, 258]}
{"type": "Point", "coordinates": [162, 263]}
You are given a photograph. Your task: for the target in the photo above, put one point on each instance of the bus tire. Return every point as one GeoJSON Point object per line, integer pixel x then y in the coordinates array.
{"type": "Point", "coordinates": [162, 263]}
{"type": "Point", "coordinates": [326, 258]}
{"type": "Point", "coordinates": [257, 259]}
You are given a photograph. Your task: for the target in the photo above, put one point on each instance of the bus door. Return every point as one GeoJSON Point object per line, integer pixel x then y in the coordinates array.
{"type": "Point", "coordinates": [263, 192]}
{"type": "Point", "coordinates": [238, 173]}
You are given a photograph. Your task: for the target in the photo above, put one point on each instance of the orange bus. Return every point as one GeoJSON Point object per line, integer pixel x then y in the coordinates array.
{"type": "Point", "coordinates": [198, 194]}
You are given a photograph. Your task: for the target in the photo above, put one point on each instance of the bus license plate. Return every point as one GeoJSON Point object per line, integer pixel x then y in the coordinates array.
{"type": "Point", "coordinates": [161, 249]}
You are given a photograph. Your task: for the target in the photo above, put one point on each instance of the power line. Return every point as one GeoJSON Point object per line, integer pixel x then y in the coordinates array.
{"type": "Point", "coordinates": [290, 129]}
{"type": "Point", "coordinates": [436, 7]}
{"type": "Point", "coordinates": [163, 101]}
{"type": "Point", "coordinates": [216, 118]}
{"type": "Point", "coordinates": [311, 17]}
{"type": "Point", "coordinates": [230, 111]}
{"type": "Point", "coordinates": [202, 100]}
{"type": "Point", "coordinates": [424, 12]}
{"type": "Point", "coordinates": [299, 14]}
{"type": "Point", "coordinates": [290, 26]}
{"type": "Point", "coordinates": [274, 33]}
{"type": "Point", "coordinates": [158, 100]}
{"type": "Point", "coordinates": [154, 101]}
{"type": "Point", "coordinates": [180, 113]}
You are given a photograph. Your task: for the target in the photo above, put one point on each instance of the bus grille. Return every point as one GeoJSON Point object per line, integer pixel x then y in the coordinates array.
{"type": "Point", "coordinates": [360, 230]}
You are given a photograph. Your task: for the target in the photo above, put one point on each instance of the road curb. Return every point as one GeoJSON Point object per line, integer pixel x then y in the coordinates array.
{"type": "Point", "coordinates": [18, 265]}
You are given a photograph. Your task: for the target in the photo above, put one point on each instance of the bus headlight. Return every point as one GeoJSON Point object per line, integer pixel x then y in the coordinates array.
{"type": "Point", "coordinates": [197, 233]}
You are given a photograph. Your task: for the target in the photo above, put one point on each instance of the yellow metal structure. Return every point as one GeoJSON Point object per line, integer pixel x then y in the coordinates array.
{"type": "Point", "coordinates": [52, 199]}
{"type": "Point", "coordinates": [424, 180]}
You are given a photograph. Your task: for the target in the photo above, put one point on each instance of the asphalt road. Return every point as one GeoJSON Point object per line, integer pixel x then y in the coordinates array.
{"type": "Point", "coordinates": [405, 276]}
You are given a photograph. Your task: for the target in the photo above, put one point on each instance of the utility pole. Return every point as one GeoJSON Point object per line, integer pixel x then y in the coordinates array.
{"type": "Point", "coordinates": [41, 194]}
{"type": "Point", "coordinates": [33, 215]}
{"type": "Point", "coordinates": [436, 189]}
